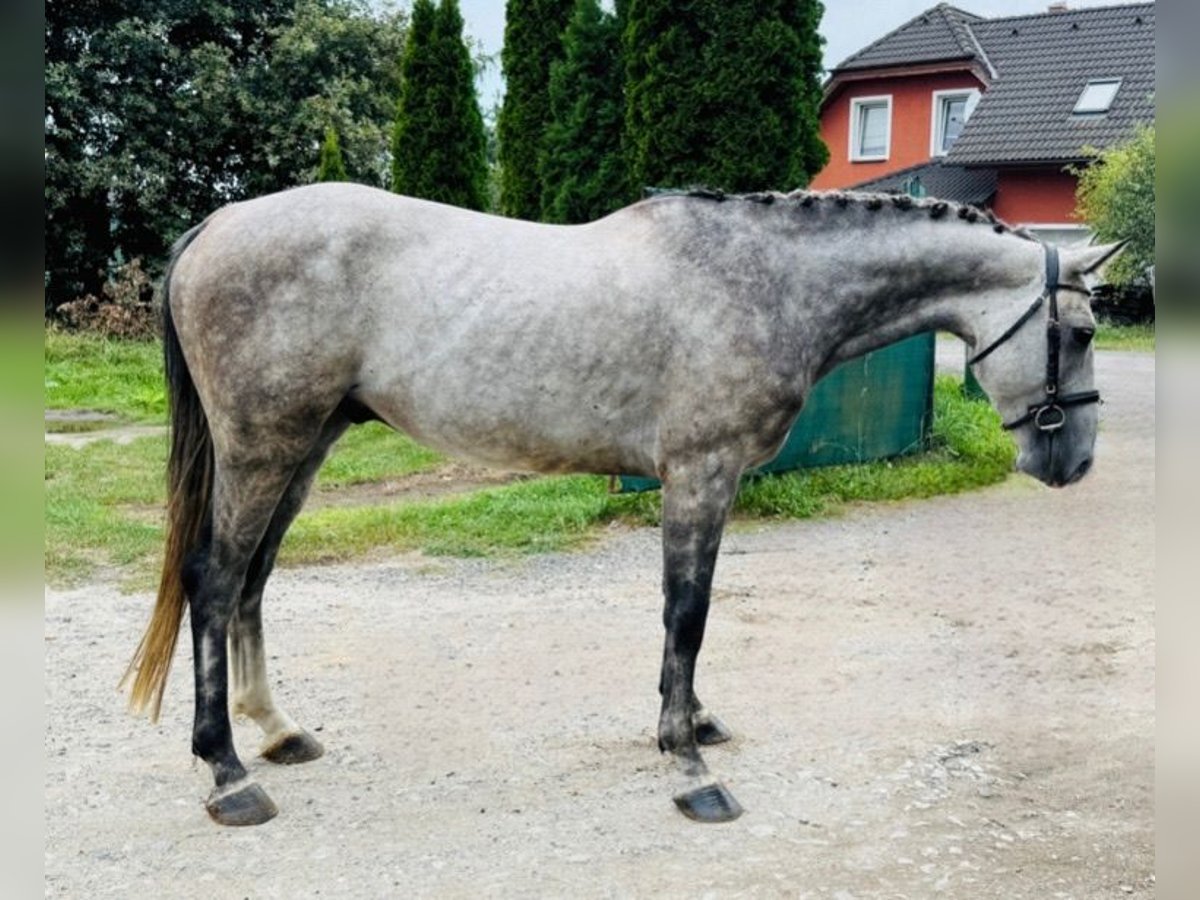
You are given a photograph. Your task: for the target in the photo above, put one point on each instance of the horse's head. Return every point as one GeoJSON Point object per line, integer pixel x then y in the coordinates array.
{"type": "Point", "coordinates": [1037, 369]}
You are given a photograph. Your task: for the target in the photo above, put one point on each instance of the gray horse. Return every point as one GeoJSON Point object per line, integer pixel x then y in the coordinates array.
{"type": "Point", "coordinates": [676, 338]}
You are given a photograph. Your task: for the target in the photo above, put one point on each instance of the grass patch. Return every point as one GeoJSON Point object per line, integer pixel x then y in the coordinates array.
{"type": "Point", "coordinates": [537, 516]}
{"type": "Point", "coordinates": [373, 452]}
{"type": "Point", "coordinates": [104, 502]}
{"type": "Point", "coordinates": [104, 508]}
{"type": "Point", "coordinates": [1125, 337]}
{"type": "Point", "coordinates": [84, 371]}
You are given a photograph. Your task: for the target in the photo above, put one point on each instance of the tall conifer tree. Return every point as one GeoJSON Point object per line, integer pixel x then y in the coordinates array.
{"type": "Point", "coordinates": [332, 167]}
{"type": "Point", "coordinates": [722, 96]}
{"type": "Point", "coordinates": [416, 113]}
{"type": "Point", "coordinates": [532, 41]}
{"type": "Point", "coordinates": [581, 168]}
{"type": "Point", "coordinates": [439, 144]}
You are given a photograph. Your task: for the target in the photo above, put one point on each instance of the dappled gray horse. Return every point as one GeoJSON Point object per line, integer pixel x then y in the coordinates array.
{"type": "Point", "coordinates": [676, 338]}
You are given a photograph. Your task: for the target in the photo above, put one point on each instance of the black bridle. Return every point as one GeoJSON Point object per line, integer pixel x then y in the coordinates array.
{"type": "Point", "coordinates": [1049, 415]}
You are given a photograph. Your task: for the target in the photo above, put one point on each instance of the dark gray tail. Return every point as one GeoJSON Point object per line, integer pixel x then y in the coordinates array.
{"type": "Point", "coordinates": [189, 496]}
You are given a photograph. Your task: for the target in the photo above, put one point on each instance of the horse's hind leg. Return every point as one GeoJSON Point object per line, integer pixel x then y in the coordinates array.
{"type": "Point", "coordinates": [283, 740]}
{"type": "Point", "coordinates": [245, 495]}
{"type": "Point", "coordinates": [696, 500]}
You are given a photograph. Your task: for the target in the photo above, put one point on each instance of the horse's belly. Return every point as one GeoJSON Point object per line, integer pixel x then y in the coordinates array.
{"type": "Point", "coordinates": [532, 440]}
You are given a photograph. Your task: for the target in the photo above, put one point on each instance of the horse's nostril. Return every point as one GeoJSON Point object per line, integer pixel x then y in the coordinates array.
{"type": "Point", "coordinates": [1080, 470]}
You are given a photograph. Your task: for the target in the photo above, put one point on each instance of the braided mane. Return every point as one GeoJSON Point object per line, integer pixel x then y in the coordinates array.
{"type": "Point", "coordinates": [871, 201]}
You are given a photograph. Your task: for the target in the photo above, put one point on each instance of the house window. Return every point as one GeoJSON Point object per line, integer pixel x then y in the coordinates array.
{"type": "Point", "coordinates": [870, 127]}
{"type": "Point", "coordinates": [951, 109]}
{"type": "Point", "coordinates": [1098, 95]}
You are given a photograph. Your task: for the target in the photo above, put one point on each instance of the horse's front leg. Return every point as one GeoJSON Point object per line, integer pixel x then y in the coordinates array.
{"type": "Point", "coordinates": [709, 729]}
{"type": "Point", "coordinates": [696, 501]}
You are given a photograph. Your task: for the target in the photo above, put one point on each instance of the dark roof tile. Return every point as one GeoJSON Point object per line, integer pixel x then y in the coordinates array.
{"type": "Point", "coordinates": [940, 179]}
{"type": "Point", "coordinates": [1043, 64]}
{"type": "Point", "coordinates": [935, 35]}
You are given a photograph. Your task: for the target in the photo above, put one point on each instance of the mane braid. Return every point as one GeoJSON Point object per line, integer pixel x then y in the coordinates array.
{"type": "Point", "coordinates": [871, 201]}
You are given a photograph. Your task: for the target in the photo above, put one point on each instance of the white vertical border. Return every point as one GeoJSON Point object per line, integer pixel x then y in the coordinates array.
{"type": "Point", "coordinates": [856, 103]}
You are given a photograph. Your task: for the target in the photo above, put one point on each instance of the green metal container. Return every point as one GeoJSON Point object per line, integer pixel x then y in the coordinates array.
{"type": "Point", "coordinates": [873, 407]}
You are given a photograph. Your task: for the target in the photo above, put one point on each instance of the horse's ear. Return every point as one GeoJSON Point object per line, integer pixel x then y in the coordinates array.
{"type": "Point", "coordinates": [1090, 260]}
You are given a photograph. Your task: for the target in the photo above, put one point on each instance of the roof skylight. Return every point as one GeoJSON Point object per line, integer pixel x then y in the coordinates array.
{"type": "Point", "coordinates": [1097, 95]}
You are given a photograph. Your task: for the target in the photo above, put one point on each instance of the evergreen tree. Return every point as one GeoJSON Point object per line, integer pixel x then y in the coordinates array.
{"type": "Point", "coordinates": [465, 140]}
{"type": "Point", "coordinates": [581, 167]}
{"type": "Point", "coordinates": [331, 167]}
{"type": "Point", "coordinates": [413, 145]}
{"type": "Point", "coordinates": [439, 144]}
{"type": "Point", "coordinates": [532, 41]}
{"type": "Point", "coordinates": [723, 96]}
{"type": "Point", "coordinates": [805, 18]}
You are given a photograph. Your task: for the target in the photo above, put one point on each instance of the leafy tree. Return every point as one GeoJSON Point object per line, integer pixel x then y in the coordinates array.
{"type": "Point", "coordinates": [336, 64]}
{"type": "Point", "coordinates": [159, 112]}
{"type": "Point", "coordinates": [331, 167]}
{"type": "Point", "coordinates": [723, 93]}
{"type": "Point", "coordinates": [439, 146]}
{"type": "Point", "coordinates": [581, 168]}
{"type": "Point", "coordinates": [532, 42]}
{"type": "Point", "coordinates": [1115, 196]}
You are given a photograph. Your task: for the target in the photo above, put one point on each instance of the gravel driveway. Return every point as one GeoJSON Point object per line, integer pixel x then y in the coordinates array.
{"type": "Point", "coordinates": [951, 697]}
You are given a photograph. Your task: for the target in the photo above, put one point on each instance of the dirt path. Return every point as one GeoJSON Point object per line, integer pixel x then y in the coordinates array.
{"type": "Point", "coordinates": [946, 698]}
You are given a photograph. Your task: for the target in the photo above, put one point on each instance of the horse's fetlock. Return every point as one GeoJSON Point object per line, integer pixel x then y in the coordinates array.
{"type": "Point", "coordinates": [675, 732]}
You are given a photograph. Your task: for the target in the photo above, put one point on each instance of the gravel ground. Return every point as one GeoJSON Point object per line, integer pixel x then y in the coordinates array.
{"type": "Point", "coordinates": [952, 697]}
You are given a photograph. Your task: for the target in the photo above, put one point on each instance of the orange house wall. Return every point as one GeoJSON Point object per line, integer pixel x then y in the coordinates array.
{"type": "Point", "coordinates": [912, 118]}
{"type": "Point", "coordinates": [1041, 196]}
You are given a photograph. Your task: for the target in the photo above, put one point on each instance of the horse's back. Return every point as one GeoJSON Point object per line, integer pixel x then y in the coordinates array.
{"type": "Point", "coordinates": [484, 336]}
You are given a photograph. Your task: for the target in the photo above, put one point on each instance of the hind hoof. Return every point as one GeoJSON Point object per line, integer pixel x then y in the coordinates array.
{"type": "Point", "coordinates": [711, 803]}
{"type": "Point", "coordinates": [294, 748]}
{"type": "Point", "coordinates": [248, 805]}
{"type": "Point", "coordinates": [711, 730]}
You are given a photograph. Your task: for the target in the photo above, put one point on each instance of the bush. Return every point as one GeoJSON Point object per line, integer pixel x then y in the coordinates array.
{"type": "Point", "coordinates": [126, 310]}
{"type": "Point", "coordinates": [1116, 198]}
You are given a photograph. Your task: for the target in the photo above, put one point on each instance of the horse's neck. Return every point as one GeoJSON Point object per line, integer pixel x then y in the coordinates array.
{"type": "Point", "coordinates": [884, 292]}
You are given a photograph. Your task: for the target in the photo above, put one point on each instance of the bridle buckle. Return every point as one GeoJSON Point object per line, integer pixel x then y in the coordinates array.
{"type": "Point", "coordinates": [1049, 417]}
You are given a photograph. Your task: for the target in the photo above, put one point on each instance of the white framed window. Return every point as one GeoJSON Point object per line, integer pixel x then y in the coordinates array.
{"type": "Point", "coordinates": [1097, 95]}
{"type": "Point", "coordinates": [951, 109]}
{"type": "Point", "coordinates": [870, 127]}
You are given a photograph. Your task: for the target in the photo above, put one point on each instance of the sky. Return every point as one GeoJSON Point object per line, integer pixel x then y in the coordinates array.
{"type": "Point", "coordinates": [848, 26]}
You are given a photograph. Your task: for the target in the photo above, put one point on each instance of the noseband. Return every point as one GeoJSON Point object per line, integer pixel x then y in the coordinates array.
{"type": "Point", "coordinates": [1049, 415]}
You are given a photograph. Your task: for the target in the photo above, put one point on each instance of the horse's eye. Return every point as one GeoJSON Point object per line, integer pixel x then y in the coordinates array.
{"type": "Point", "coordinates": [1083, 336]}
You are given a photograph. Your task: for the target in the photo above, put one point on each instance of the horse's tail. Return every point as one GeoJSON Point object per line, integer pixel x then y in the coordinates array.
{"type": "Point", "coordinates": [189, 497]}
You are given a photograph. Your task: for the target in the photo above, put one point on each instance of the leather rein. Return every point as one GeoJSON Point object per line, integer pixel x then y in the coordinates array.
{"type": "Point", "coordinates": [1049, 415]}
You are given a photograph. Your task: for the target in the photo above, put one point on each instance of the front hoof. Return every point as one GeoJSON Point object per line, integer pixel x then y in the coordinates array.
{"type": "Point", "coordinates": [247, 805]}
{"type": "Point", "coordinates": [294, 748]}
{"type": "Point", "coordinates": [710, 730]}
{"type": "Point", "coordinates": [710, 803]}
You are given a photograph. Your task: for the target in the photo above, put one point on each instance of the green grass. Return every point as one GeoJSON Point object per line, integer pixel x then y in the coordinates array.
{"type": "Point", "coordinates": [373, 452]}
{"type": "Point", "coordinates": [103, 503]}
{"type": "Point", "coordinates": [1125, 337]}
{"type": "Point", "coordinates": [87, 372]}
{"type": "Point", "coordinates": [103, 508]}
